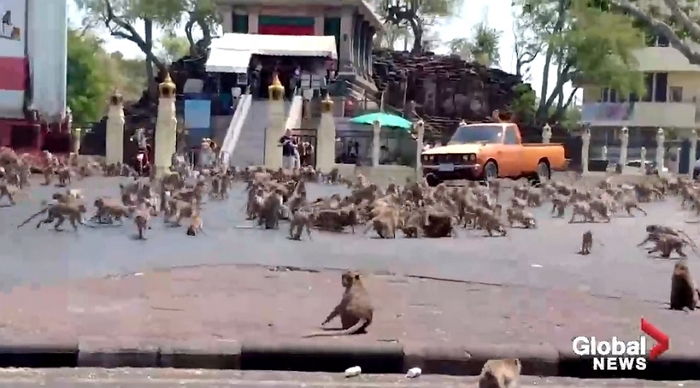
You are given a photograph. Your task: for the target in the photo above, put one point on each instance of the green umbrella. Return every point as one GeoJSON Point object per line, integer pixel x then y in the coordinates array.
{"type": "Point", "coordinates": [385, 120]}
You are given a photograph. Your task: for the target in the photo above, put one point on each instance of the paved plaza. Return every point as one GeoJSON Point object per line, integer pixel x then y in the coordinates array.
{"type": "Point", "coordinates": [545, 258]}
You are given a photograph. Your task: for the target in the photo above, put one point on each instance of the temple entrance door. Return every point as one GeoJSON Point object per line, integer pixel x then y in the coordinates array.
{"type": "Point", "coordinates": [306, 144]}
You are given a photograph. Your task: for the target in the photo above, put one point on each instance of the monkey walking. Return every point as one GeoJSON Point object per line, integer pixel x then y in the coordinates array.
{"type": "Point", "coordinates": [355, 308]}
{"type": "Point", "coordinates": [654, 230]}
{"type": "Point", "coordinates": [684, 295]}
{"type": "Point", "coordinates": [667, 243]}
{"type": "Point", "coordinates": [500, 373]}
{"type": "Point", "coordinates": [60, 212]}
{"type": "Point", "coordinates": [300, 219]}
{"type": "Point", "coordinates": [586, 243]}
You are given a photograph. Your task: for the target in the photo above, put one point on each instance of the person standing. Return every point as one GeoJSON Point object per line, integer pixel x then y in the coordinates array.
{"type": "Point", "coordinates": [296, 162]}
{"type": "Point", "coordinates": [288, 150]}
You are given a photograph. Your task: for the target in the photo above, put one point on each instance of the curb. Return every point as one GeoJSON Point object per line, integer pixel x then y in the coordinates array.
{"type": "Point", "coordinates": [380, 357]}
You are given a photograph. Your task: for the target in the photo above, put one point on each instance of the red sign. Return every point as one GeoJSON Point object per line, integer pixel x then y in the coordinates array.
{"type": "Point", "coordinates": [663, 343]}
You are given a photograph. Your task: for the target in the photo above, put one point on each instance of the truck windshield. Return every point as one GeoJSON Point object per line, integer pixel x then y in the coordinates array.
{"type": "Point", "coordinates": [477, 134]}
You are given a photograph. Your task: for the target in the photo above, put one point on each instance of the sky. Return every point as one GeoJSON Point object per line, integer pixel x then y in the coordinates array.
{"type": "Point", "coordinates": [497, 13]}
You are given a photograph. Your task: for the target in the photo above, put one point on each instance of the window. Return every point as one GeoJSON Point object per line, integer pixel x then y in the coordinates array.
{"type": "Point", "coordinates": [676, 94]}
{"type": "Point", "coordinates": [240, 23]}
{"type": "Point", "coordinates": [511, 137]}
{"type": "Point", "coordinates": [660, 87]}
{"type": "Point", "coordinates": [649, 85]}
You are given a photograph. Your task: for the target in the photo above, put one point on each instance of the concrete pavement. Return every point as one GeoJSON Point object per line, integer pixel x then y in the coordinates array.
{"type": "Point", "coordinates": [134, 378]}
{"type": "Point", "coordinates": [253, 317]}
{"type": "Point", "coordinates": [544, 258]}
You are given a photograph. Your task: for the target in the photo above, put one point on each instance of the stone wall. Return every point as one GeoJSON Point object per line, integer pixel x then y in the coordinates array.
{"type": "Point", "coordinates": [442, 89]}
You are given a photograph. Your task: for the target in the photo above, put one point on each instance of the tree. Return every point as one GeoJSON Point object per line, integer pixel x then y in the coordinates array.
{"type": "Point", "coordinates": [88, 83]}
{"type": "Point", "coordinates": [461, 47]}
{"type": "Point", "coordinates": [120, 17]}
{"type": "Point", "coordinates": [127, 75]}
{"type": "Point", "coordinates": [201, 13]}
{"type": "Point", "coordinates": [678, 23]}
{"type": "Point", "coordinates": [173, 47]}
{"type": "Point", "coordinates": [416, 15]}
{"type": "Point", "coordinates": [388, 38]}
{"type": "Point", "coordinates": [586, 44]}
{"type": "Point", "coordinates": [527, 46]}
{"type": "Point", "coordinates": [484, 45]}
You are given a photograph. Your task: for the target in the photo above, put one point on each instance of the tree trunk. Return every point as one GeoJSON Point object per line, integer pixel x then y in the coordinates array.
{"type": "Point", "coordinates": [417, 36]}
{"type": "Point", "coordinates": [148, 39]}
{"type": "Point", "coordinates": [542, 110]}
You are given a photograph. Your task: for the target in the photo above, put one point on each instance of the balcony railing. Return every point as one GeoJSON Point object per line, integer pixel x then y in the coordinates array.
{"type": "Point", "coordinates": [640, 114]}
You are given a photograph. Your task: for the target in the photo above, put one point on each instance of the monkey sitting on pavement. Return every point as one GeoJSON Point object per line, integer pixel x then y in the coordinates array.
{"type": "Point", "coordinates": [355, 308]}
{"type": "Point", "coordinates": [684, 295]}
{"type": "Point", "coordinates": [500, 374]}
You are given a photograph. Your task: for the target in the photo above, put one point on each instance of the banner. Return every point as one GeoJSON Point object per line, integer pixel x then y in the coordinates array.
{"type": "Point", "coordinates": [13, 65]}
{"type": "Point", "coordinates": [12, 28]}
{"type": "Point", "coordinates": [197, 113]}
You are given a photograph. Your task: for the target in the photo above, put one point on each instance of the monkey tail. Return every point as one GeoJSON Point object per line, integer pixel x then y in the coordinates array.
{"type": "Point", "coordinates": [690, 242]}
{"type": "Point", "coordinates": [350, 330]}
{"type": "Point", "coordinates": [44, 210]}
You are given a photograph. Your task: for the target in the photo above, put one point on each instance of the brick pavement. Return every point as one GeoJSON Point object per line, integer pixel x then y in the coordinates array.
{"type": "Point", "coordinates": [224, 306]}
{"type": "Point", "coordinates": [132, 378]}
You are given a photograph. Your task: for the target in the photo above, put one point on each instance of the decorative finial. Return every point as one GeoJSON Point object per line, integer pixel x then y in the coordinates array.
{"type": "Point", "coordinates": [275, 90]}
{"type": "Point", "coordinates": [167, 87]}
{"type": "Point", "coordinates": [327, 104]}
{"type": "Point", "coordinates": [116, 98]}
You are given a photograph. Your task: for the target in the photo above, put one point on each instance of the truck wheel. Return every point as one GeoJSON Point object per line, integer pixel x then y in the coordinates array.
{"type": "Point", "coordinates": [543, 172]}
{"type": "Point", "coordinates": [490, 171]}
{"type": "Point", "coordinates": [432, 180]}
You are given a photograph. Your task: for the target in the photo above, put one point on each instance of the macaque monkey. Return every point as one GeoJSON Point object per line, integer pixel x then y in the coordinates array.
{"type": "Point", "coordinates": [500, 374]}
{"type": "Point", "coordinates": [355, 308]}
{"type": "Point", "coordinates": [586, 243]}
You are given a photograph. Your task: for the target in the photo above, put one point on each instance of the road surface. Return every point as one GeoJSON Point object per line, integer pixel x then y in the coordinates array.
{"type": "Point", "coordinates": [542, 258]}
{"type": "Point", "coordinates": [133, 378]}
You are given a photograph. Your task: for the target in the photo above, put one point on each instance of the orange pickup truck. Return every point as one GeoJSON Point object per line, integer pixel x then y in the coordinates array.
{"type": "Point", "coordinates": [488, 151]}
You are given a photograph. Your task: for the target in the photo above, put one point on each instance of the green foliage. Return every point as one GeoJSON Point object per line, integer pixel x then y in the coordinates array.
{"type": "Point", "coordinates": [484, 44]}
{"type": "Point", "coordinates": [416, 14]}
{"type": "Point", "coordinates": [481, 47]}
{"type": "Point", "coordinates": [438, 8]}
{"type": "Point", "coordinates": [88, 83]}
{"type": "Point", "coordinates": [461, 47]}
{"type": "Point", "coordinates": [163, 12]}
{"type": "Point", "coordinates": [601, 46]}
{"type": "Point", "coordinates": [524, 105]}
{"type": "Point", "coordinates": [127, 75]}
{"type": "Point", "coordinates": [391, 35]}
{"type": "Point", "coordinates": [173, 47]}
{"type": "Point", "coordinates": [585, 43]}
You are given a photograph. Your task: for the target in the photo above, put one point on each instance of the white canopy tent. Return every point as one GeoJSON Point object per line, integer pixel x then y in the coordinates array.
{"type": "Point", "coordinates": [231, 53]}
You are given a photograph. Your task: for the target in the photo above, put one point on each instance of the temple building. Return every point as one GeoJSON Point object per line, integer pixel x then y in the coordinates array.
{"type": "Point", "coordinates": [352, 23]}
